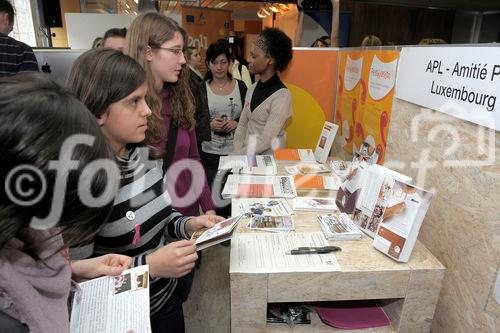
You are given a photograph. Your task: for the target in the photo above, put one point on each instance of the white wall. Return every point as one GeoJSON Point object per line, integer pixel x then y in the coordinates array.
{"type": "Point", "coordinates": [83, 28]}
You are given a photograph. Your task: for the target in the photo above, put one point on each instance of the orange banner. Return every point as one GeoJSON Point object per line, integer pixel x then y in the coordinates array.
{"type": "Point", "coordinates": [364, 98]}
{"type": "Point", "coordinates": [311, 77]}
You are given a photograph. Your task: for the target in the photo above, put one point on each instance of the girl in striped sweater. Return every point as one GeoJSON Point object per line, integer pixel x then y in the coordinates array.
{"type": "Point", "coordinates": [113, 86]}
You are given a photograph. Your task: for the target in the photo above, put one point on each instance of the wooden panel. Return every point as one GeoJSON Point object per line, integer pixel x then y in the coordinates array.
{"type": "Point", "coordinates": [380, 20]}
{"type": "Point", "coordinates": [336, 286]}
{"type": "Point", "coordinates": [248, 302]}
{"type": "Point", "coordinates": [462, 225]}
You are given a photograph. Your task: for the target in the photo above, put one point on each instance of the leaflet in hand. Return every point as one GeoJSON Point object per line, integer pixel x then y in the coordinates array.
{"type": "Point", "coordinates": [325, 142]}
{"type": "Point", "coordinates": [314, 204]}
{"type": "Point", "coordinates": [219, 233]}
{"type": "Point", "coordinates": [403, 214]}
{"type": "Point", "coordinates": [261, 206]}
{"type": "Point", "coordinates": [271, 223]}
{"type": "Point", "coordinates": [259, 187]}
{"type": "Point", "coordinates": [295, 155]}
{"type": "Point", "coordinates": [113, 304]}
{"type": "Point", "coordinates": [316, 182]}
{"type": "Point", "coordinates": [307, 169]}
{"type": "Point", "coordinates": [339, 227]}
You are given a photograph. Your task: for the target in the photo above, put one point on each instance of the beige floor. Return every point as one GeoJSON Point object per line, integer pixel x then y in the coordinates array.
{"type": "Point", "coordinates": [208, 306]}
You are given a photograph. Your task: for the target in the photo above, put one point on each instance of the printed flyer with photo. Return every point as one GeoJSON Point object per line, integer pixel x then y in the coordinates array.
{"type": "Point", "coordinates": [113, 304]}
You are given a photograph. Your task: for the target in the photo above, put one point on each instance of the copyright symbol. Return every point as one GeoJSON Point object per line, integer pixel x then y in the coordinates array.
{"type": "Point", "coordinates": [22, 184]}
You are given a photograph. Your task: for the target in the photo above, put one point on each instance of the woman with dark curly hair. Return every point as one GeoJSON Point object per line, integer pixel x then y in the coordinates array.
{"type": "Point", "coordinates": [268, 103]}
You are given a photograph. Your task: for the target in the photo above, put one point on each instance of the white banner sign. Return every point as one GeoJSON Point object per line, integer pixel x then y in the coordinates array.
{"type": "Point", "coordinates": [463, 82]}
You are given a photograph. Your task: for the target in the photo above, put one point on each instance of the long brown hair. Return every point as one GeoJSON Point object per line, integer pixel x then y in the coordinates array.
{"type": "Point", "coordinates": [152, 29]}
{"type": "Point", "coordinates": [101, 77]}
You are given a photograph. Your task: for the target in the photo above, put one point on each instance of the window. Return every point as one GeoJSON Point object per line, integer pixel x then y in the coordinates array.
{"type": "Point", "coordinates": [23, 22]}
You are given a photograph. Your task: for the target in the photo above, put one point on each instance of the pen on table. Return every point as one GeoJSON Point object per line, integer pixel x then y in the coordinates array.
{"type": "Point", "coordinates": [314, 250]}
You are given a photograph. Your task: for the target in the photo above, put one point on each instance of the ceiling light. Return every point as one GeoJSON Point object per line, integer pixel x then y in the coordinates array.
{"type": "Point", "coordinates": [283, 7]}
{"type": "Point", "coordinates": [260, 13]}
{"type": "Point", "coordinates": [274, 8]}
{"type": "Point", "coordinates": [265, 11]}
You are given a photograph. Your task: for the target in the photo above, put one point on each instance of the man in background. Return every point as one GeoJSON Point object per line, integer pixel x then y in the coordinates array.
{"type": "Point", "coordinates": [15, 56]}
{"type": "Point", "coordinates": [114, 39]}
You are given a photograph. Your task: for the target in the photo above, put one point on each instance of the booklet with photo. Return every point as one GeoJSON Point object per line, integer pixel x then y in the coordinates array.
{"type": "Point", "coordinates": [261, 206]}
{"type": "Point", "coordinates": [307, 169]}
{"type": "Point", "coordinates": [351, 187]}
{"type": "Point", "coordinates": [219, 233]}
{"type": "Point", "coordinates": [403, 214]}
{"type": "Point", "coordinates": [316, 182]}
{"type": "Point", "coordinates": [113, 304]}
{"type": "Point", "coordinates": [271, 223]}
{"type": "Point", "coordinates": [314, 204]}
{"type": "Point", "coordinates": [295, 155]}
{"type": "Point", "coordinates": [259, 187]}
{"type": "Point", "coordinates": [372, 199]}
{"type": "Point", "coordinates": [339, 226]}
{"type": "Point", "coordinates": [325, 141]}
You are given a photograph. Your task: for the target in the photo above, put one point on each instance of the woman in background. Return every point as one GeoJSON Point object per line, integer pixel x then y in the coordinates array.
{"type": "Point", "coordinates": [225, 98]}
{"type": "Point", "coordinates": [195, 82]}
{"type": "Point", "coordinates": [268, 105]}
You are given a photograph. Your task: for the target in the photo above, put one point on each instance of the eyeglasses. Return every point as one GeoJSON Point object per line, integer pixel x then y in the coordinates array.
{"type": "Point", "coordinates": [177, 52]}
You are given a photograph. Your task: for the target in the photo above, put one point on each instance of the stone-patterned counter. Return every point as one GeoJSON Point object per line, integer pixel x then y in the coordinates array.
{"type": "Point", "coordinates": [409, 290]}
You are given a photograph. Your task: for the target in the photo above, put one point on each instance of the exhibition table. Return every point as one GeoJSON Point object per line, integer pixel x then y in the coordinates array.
{"type": "Point", "coordinates": [407, 291]}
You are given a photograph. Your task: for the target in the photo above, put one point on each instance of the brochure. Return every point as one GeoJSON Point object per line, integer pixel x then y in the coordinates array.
{"type": "Point", "coordinates": [403, 214]}
{"type": "Point", "coordinates": [253, 164]}
{"type": "Point", "coordinates": [271, 223]}
{"type": "Point", "coordinates": [259, 187]}
{"type": "Point", "coordinates": [295, 155]}
{"type": "Point", "coordinates": [113, 304]}
{"type": "Point", "coordinates": [316, 182]}
{"type": "Point", "coordinates": [338, 227]}
{"type": "Point", "coordinates": [307, 169]}
{"type": "Point", "coordinates": [219, 233]}
{"type": "Point", "coordinates": [325, 141]}
{"type": "Point", "coordinates": [261, 206]}
{"type": "Point", "coordinates": [372, 199]}
{"type": "Point", "coordinates": [314, 204]}
{"type": "Point", "coordinates": [351, 188]}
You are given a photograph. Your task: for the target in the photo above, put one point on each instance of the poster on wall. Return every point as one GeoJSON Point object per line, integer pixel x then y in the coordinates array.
{"type": "Point", "coordinates": [364, 98]}
{"type": "Point", "coordinates": [463, 82]}
{"type": "Point", "coordinates": [313, 94]}
{"type": "Point", "coordinates": [205, 26]}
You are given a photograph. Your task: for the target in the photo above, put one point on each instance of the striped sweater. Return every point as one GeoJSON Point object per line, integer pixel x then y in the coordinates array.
{"type": "Point", "coordinates": [15, 57]}
{"type": "Point", "coordinates": [140, 222]}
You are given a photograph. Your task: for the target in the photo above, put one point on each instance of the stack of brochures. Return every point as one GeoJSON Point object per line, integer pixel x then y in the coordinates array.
{"type": "Point", "coordinates": [259, 187]}
{"type": "Point", "coordinates": [271, 223]}
{"type": "Point", "coordinates": [339, 227]}
{"type": "Point", "coordinates": [314, 204]}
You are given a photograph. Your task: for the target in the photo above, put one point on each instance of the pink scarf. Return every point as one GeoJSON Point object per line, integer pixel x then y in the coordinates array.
{"type": "Point", "coordinates": [35, 292]}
